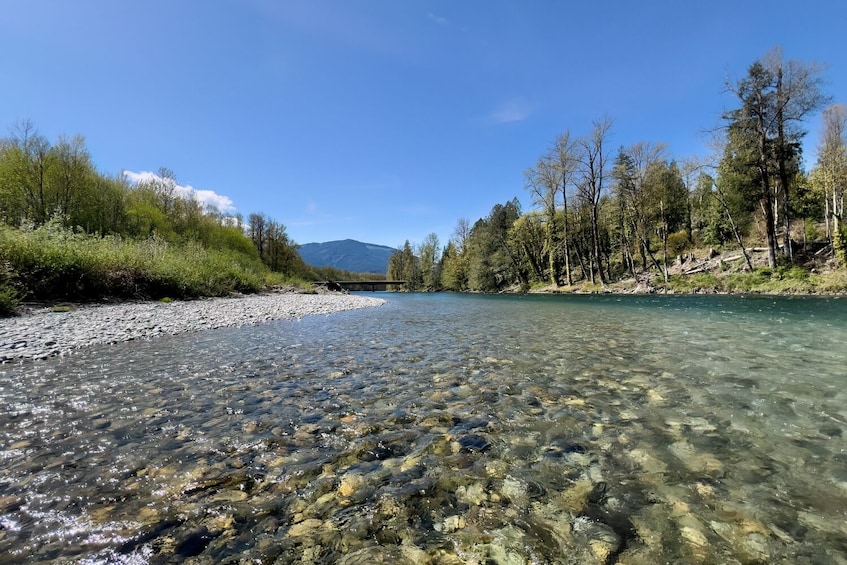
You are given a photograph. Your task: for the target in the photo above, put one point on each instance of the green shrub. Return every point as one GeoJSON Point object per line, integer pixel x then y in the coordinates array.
{"type": "Point", "coordinates": [8, 300]}
{"type": "Point", "coordinates": [792, 272]}
{"type": "Point", "coordinates": [53, 263]}
{"type": "Point", "coordinates": [779, 279]}
{"type": "Point", "coordinates": [678, 242]}
{"type": "Point", "coordinates": [690, 283]}
{"type": "Point", "coordinates": [811, 229]}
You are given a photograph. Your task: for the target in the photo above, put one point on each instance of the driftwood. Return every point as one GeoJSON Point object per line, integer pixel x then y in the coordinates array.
{"type": "Point", "coordinates": [699, 268]}
{"type": "Point", "coordinates": [708, 265]}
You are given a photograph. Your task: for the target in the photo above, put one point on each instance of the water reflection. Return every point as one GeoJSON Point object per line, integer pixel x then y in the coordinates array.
{"type": "Point", "coordinates": [444, 429]}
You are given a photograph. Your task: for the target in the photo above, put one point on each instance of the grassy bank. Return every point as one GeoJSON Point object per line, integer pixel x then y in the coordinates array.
{"type": "Point", "coordinates": [763, 280]}
{"type": "Point", "coordinates": [52, 263]}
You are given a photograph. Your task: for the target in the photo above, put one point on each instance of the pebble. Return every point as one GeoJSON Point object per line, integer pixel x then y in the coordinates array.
{"type": "Point", "coordinates": [44, 333]}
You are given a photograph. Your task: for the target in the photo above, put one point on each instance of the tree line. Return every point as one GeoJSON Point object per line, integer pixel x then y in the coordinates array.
{"type": "Point", "coordinates": [42, 182]}
{"type": "Point", "coordinates": [600, 215]}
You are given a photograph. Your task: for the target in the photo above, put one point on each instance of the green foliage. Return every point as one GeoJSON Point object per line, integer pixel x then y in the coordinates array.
{"type": "Point", "coordinates": [8, 300]}
{"type": "Point", "coordinates": [405, 266]}
{"type": "Point", "coordinates": [527, 238]}
{"type": "Point", "coordinates": [146, 219]}
{"type": "Point", "coordinates": [769, 280]}
{"type": "Point", "coordinates": [430, 266]}
{"type": "Point", "coordinates": [739, 181]}
{"type": "Point", "coordinates": [54, 263]}
{"type": "Point", "coordinates": [810, 228]}
{"type": "Point", "coordinates": [84, 235]}
{"type": "Point", "coordinates": [274, 247]}
{"type": "Point", "coordinates": [698, 282]}
{"type": "Point", "coordinates": [678, 242]}
{"type": "Point", "coordinates": [832, 281]}
{"type": "Point", "coordinates": [492, 263]}
{"type": "Point", "coordinates": [454, 274]}
{"type": "Point", "coordinates": [746, 282]}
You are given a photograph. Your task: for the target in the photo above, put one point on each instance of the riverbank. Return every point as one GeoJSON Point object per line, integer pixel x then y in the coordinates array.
{"type": "Point", "coordinates": [50, 331]}
{"type": "Point", "coordinates": [713, 272]}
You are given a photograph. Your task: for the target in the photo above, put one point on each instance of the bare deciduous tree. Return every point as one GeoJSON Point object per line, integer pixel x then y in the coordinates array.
{"type": "Point", "coordinates": [591, 185]}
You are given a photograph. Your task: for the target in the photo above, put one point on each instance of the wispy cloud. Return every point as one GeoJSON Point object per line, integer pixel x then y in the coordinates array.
{"type": "Point", "coordinates": [511, 111]}
{"type": "Point", "coordinates": [442, 21]}
{"type": "Point", "coordinates": [205, 197]}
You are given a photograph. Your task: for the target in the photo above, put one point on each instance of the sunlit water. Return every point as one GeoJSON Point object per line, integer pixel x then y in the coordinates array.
{"type": "Point", "coordinates": [443, 429]}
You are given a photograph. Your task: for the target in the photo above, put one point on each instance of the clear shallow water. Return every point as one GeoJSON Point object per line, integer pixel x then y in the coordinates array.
{"type": "Point", "coordinates": [444, 429]}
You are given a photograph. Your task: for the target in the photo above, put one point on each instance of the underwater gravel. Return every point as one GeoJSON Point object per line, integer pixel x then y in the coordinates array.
{"type": "Point", "coordinates": [44, 333]}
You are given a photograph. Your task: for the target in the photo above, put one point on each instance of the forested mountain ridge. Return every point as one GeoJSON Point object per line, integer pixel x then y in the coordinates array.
{"type": "Point", "coordinates": [747, 217]}
{"type": "Point", "coordinates": [348, 254]}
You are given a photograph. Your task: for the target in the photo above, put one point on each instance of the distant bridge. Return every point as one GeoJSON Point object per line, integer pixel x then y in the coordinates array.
{"type": "Point", "coordinates": [371, 286]}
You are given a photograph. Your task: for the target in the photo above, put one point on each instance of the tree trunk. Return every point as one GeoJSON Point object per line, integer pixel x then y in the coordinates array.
{"type": "Point", "coordinates": [782, 156]}
{"type": "Point", "coordinates": [827, 216]}
{"type": "Point", "coordinates": [767, 209]}
{"type": "Point", "coordinates": [641, 246]}
{"type": "Point", "coordinates": [767, 201]}
{"type": "Point", "coordinates": [735, 231]}
{"type": "Point", "coordinates": [626, 256]}
{"type": "Point", "coordinates": [767, 196]}
{"type": "Point", "coordinates": [580, 259]}
{"type": "Point", "coordinates": [536, 269]}
{"type": "Point", "coordinates": [568, 276]}
{"type": "Point", "coordinates": [591, 268]}
{"type": "Point", "coordinates": [839, 245]}
{"type": "Point", "coordinates": [554, 279]}
{"type": "Point", "coordinates": [595, 236]}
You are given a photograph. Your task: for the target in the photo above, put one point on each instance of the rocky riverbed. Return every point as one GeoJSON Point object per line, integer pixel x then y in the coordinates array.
{"type": "Point", "coordinates": [47, 332]}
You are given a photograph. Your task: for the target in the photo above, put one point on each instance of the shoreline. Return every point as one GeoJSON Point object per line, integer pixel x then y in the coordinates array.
{"type": "Point", "coordinates": [42, 333]}
{"type": "Point", "coordinates": [611, 289]}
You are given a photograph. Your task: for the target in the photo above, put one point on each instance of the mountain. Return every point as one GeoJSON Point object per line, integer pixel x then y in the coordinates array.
{"type": "Point", "coordinates": [348, 254]}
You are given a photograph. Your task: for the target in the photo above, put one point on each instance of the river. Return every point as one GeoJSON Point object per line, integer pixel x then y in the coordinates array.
{"type": "Point", "coordinates": [445, 429]}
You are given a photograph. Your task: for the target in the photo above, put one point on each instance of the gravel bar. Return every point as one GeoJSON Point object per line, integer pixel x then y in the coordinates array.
{"type": "Point", "coordinates": [45, 333]}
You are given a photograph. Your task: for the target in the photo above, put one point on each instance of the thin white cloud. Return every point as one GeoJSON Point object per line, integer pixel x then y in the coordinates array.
{"type": "Point", "coordinates": [205, 197]}
{"type": "Point", "coordinates": [511, 111]}
{"type": "Point", "coordinates": [437, 19]}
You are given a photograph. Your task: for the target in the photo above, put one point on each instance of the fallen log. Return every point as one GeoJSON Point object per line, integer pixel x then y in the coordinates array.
{"type": "Point", "coordinates": [826, 248]}
{"type": "Point", "coordinates": [695, 271]}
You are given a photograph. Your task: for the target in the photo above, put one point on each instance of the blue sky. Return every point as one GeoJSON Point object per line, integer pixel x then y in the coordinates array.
{"type": "Point", "coordinates": [385, 120]}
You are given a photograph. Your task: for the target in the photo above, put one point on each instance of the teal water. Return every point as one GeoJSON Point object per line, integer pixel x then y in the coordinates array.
{"type": "Point", "coordinates": [443, 429]}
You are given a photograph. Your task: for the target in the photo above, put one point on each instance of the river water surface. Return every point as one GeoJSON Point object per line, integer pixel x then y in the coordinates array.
{"type": "Point", "coordinates": [443, 429]}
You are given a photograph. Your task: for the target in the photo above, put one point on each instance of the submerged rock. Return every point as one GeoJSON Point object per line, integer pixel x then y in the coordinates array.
{"type": "Point", "coordinates": [474, 444]}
